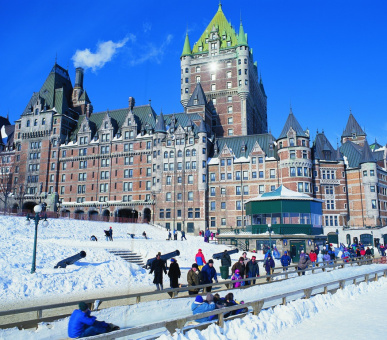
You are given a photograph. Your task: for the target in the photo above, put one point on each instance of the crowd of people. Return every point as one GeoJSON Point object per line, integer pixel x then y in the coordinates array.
{"type": "Point", "coordinates": [175, 235]}
{"type": "Point", "coordinates": [215, 302]}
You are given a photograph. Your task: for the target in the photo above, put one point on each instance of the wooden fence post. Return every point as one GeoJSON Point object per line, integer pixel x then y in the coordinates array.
{"type": "Point", "coordinates": [257, 306]}
{"type": "Point", "coordinates": [307, 293]}
{"type": "Point", "coordinates": [221, 320]}
{"type": "Point", "coordinates": [366, 278]}
{"type": "Point", "coordinates": [284, 300]}
{"type": "Point", "coordinates": [341, 284]}
{"type": "Point", "coordinates": [138, 299]}
{"type": "Point", "coordinates": [326, 290]}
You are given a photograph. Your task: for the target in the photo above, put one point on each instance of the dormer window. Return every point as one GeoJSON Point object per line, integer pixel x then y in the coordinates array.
{"type": "Point", "coordinates": [224, 37]}
{"type": "Point", "coordinates": [36, 111]}
{"type": "Point", "coordinates": [84, 128]}
{"type": "Point", "coordinates": [354, 136]}
{"type": "Point", "coordinates": [195, 101]}
{"type": "Point", "coordinates": [206, 40]}
{"type": "Point", "coordinates": [200, 48]}
{"type": "Point", "coordinates": [106, 125]}
{"type": "Point", "coordinates": [129, 121]}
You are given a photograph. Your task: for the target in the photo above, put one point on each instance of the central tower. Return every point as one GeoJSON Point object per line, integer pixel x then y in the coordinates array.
{"type": "Point", "coordinates": [222, 62]}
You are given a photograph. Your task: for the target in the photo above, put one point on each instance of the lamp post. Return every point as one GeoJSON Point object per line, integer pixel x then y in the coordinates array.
{"type": "Point", "coordinates": [269, 230]}
{"type": "Point", "coordinates": [37, 218]}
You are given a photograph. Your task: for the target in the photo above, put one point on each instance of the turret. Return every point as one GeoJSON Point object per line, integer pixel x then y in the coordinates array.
{"type": "Point", "coordinates": [185, 63]}
{"type": "Point", "coordinates": [79, 77]}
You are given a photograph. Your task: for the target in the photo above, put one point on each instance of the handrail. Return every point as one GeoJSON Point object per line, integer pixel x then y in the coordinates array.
{"type": "Point", "coordinates": [174, 291]}
{"type": "Point", "coordinates": [256, 305]}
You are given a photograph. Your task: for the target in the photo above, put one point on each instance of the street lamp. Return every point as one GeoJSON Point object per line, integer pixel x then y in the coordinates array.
{"type": "Point", "coordinates": [37, 218]}
{"type": "Point", "coordinates": [269, 230]}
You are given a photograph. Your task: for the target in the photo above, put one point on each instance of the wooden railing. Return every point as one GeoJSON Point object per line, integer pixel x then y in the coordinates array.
{"type": "Point", "coordinates": [136, 298]}
{"type": "Point", "coordinates": [253, 307]}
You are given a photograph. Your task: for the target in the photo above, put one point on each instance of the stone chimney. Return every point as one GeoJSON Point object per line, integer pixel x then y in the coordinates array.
{"type": "Point", "coordinates": [131, 103]}
{"type": "Point", "coordinates": [79, 77]}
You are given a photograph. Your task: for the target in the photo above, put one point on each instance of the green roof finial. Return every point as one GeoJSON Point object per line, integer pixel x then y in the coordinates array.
{"type": "Point", "coordinates": [220, 6]}
{"type": "Point", "coordinates": [187, 46]}
{"type": "Point", "coordinates": [242, 39]}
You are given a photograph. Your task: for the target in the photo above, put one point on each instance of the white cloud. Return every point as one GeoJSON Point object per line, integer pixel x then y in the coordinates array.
{"type": "Point", "coordinates": [153, 52]}
{"type": "Point", "coordinates": [105, 52]}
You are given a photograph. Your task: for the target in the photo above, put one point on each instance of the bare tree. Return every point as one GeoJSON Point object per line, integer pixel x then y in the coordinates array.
{"type": "Point", "coordinates": [5, 186]}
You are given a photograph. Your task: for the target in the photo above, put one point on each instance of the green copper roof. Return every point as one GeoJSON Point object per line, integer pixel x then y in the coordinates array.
{"type": "Point", "coordinates": [187, 46]}
{"type": "Point", "coordinates": [225, 30]}
{"type": "Point", "coordinates": [242, 37]}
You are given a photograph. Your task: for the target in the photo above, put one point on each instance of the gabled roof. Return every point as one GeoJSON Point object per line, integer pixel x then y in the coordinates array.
{"type": "Point", "coordinates": [183, 120]}
{"type": "Point", "coordinates": [224, 28]}
{"type": "Point", "coordinates": [199, 95]}
{"type": "Point", "coordinates": [367, 156]}
{"type": "Point", "coordinates": [352, 152]}
{"type": "Point", "coordinates": [144, 116]}
{"type": "Point", "coordinates": [352, 127]}
{"type": "Point", "coordinates": [57, 79]}
{"type": "Point", "coordinates": [292, 122]}
{"type": "Point", "coordinates": [234, 143]}
{"type": "Point", "coordinates": [322, 145]}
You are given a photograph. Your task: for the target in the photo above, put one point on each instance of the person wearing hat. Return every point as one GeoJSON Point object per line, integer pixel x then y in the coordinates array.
{"type": "Point", "coordinates": [174, 274]}
{"type": "Point", "coordinates": [239, 265]}
{"type": "Point", "coordinates": [269, 264]}
{"type": "Point", "coordinates": [82, 324]}
{"type": "Point", "coordinates": [252, 270]}
{"type": "Point", "coordinates": [194, 278]}
{"type": "Point", "coordinates": [285, 261]}
{"type": "Point", "coordinates": [158, 266]}
{"type": "Point", "coordinates": [199, 306]}
{"type": "Point", "coordinates": [236, 277]}
{"type": "Point", "coordinates": [209, 274]}
{"type": "Point", "coordinates": [199, 259]}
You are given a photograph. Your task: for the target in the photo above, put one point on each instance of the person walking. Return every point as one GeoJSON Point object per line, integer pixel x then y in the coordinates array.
{"type": "Point", "coordinates": [207, 235]}
{"type": "Point", "coordinates": [158, 267]}
{"type": "Point", "coordinates": [194, 278]}
{"type": "Point", "coordinates": [209, 274]}
{"type": "Point", "coordinates": [285, 261]}
{"type": "Point", "coordinates": [174, 274]}
{"type": "Point", "coordinates": [269, 264]}
{"type": "Point", "coordinates": [169, 235]}
{"type": "Point", "coordinates": [239, 265]}
{"type": "Point", "coordinates": [175, 234]}
{"type": "Point", "coordinates": [252, 270]}
{"type": "Point", "coordinates": [82, 324]}
{"type": "Point", "coordinates": [183, 235]}
{"type": "Point", "coordinates": [225, 260]}
{"type": "Point", "coordinates": [111, 234]}
{"type": "Point", "coordinates": [313, 257]}
{"type": "Point", "coordinates": [303, 263]}
{"type": "Point", "coordinates": [199, 259]}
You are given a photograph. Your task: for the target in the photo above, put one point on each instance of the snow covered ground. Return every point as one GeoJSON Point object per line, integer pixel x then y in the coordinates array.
{"type": "Point", "coordinates": [101, 271]}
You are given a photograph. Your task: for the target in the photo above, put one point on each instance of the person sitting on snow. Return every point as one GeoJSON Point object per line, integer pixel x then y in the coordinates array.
{"type": "Point", "coordinates": [82, 324]}
{"type": "Point", "coordinates": [199, 306]}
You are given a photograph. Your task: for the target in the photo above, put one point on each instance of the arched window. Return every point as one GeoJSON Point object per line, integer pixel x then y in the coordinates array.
{"type": "Point", "coordinates": [43, 121]}
{"type": "Point", "coordinates": [180, 153]}
{"type": "Point", "coordinates": [188, 153]}
{"type": "Point", "coordinates": [348, 239]}
{"type": "Point", "coordinates": [166, 154]}
{"type": "Point", "coordinates": [35, 122]}
{"type": "Point", "coordinates": [28, 123]}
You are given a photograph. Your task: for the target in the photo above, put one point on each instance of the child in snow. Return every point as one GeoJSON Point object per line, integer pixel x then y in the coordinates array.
{"type": "Point", "coordinates": [236, 276]}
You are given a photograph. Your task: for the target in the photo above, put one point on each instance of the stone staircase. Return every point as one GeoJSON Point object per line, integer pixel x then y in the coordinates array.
{"type": "Point", "coordinates": [128, 256]}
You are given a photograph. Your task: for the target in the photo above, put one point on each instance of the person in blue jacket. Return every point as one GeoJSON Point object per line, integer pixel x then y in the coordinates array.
{"type": "Point", "coordinates": [199, 306]}
{"type": "Point", "coordinates": [82, 324]}
{"type": "Point", "coordinates": [285, 260]}
{"type": "Point", "coordinates": [209, 273]}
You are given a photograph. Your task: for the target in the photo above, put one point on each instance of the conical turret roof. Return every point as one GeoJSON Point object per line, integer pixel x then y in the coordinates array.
{"type": "Point", "coordinates": [187, 46]}
{"type": "Point", "coordinates": [352, 127]}
{"type": "Point", "coordinates": [160, 124]}
{"type": "Point", "coordinates": [242, 37]}
{"type": "Point", "coordinates": [292, 122]}
{"type": "Point", "coordinates": [202, 127]}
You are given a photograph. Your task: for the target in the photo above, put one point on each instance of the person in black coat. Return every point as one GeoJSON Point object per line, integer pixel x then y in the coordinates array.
{"type": "Point", "coordinates": [252, 270]}
{"type": "Point", "coordinates": [111, 234]}
{"type": "Point", "coordinates": [269, 264]}
{"type": "Point", "coordinates": [158, 266]}
{"type": "Point", "coordinates": [174, 273]}
{"type": "Point", "coordinates": [225, 260]}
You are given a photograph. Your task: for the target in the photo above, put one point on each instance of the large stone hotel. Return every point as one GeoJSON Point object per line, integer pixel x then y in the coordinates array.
{"type": "Point", "coordinates": [189, 170]}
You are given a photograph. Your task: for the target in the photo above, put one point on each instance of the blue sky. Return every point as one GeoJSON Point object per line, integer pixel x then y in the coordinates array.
{"type": "Point", "coordinates": [323, 57]}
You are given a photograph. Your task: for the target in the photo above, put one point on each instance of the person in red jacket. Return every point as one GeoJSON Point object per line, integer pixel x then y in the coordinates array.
{"type": "Point", "coordinates": [313, 257]}
{"type": "Point", "coordinates": [362, 252]}
{"type": "Point", "coordinates": [199, 259]}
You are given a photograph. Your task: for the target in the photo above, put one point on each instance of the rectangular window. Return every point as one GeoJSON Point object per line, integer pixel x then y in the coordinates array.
{"type": "Point", "coordinates": [190, 195]}
{"type": "Point", "coordinates": [197, 212]}
{"type": "Point", "coordinates": [373, 204]}
{"type": "Point", "coordinates": [212, 206]}
{"type": "Point", "coordinates": [212, 191]}
{"type": "Point", "coordinates": [260, 174]}
{"type": "Point", "coordinates": [372, 188]}
{"type": "Point", "coordinates": [372, 172]}
{"type": "Point", "coordinates": [261, 189]}
{"type": "Point", "coordinates": [223, 205]}
{"type": "Point", "coordinates": [300, 187]}
{"type": "Point", "coordinates": [238, 190]}
{"type": "Point", "coordinates": [272, 173]}
{"type": "Point", "coordinates": [292, 154]}
{"type": "Point", "coordinates": [292, 171]}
